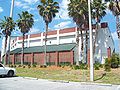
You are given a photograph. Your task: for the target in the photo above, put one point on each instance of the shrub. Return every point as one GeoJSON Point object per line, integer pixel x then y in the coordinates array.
{"type": "Point", "coordinates": [96, 66]}
{"type": "Point", "coordinates": [11, 66]}
{"type": "Point", "coordinates": [23, 66]}
{"type": "Point", "coordinates": [14, 66]}
{"type": "Point", "coordinates": [83, 66]}
{"type": "Point", "coordinates": [115, 60]}
{"type": "Point", "coordinates": [101, 65]}
{"type": "Point", "coordinates": [75, 67]}
{"type": "Point", "coordinates": [29, 66]}
{"type": "Point", "coordinates": [107, 65]}
{"type": "Point", "coordinates": [19, 65]}
{"type": "Point", "coordinates": [64, 63]}
{"type": "Point", "coordinates": [34, 65]}
{"type": "Point", "coordinates": [43, 66]}
{"type": "Point", "coordinates": [50, 63]}
{"type": "Point", "coordinates": [59, 65]}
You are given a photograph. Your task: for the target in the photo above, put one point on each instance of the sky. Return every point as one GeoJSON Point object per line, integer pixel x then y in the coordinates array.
{"type": "Point", "coordinates": [62, 20]}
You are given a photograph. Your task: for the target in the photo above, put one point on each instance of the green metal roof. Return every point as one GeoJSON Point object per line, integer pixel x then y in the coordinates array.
{"type": "Point", "coordinates": [50, 48]}
{"type": "Point", "coordinates": [18, 50]}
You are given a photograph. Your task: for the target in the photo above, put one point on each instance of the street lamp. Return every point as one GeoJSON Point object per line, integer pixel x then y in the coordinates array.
{"type": "Point", "coordinates": [91, 44]}
{"type": "Point", "coordinates": [9, 38]}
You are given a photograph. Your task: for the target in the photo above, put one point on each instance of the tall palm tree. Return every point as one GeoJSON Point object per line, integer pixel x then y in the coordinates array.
{"type": "Point", "coordinates": [7, 26]}
{"type": "Point", "coordinates": [114, 6]}
{"type": "Point", "coordinates": [78, 11]}
{"type": "Point", "coordinates": [98, 12]}
{"type": "Point", "coordinates": [47, 10]}
{"type": "Point", "coordinates": [25, 22]}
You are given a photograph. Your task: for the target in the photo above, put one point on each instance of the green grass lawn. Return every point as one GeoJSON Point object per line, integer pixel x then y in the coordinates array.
{"type": "Point", "coordinates": [68, 74]}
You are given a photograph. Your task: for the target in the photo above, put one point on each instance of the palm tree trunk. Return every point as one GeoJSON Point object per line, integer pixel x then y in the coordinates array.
{"type": "Point", "coordinates": [86, 45]}
{"type": "Point", "coordinates": [77, 48]}
{"type": "Point", "coordinates": [5, 61]}
{"type": "Point", "coordinates": [45, 46]}
{"type": "Point", "coordinates": [8, 52]}
{"type": "Point", "coordinates": [81, 44]}
{"type": "Point", "coordinates": [117, 25]}
{"type": "Point", "coordinates": [22, 56]}
{"type": "Point", "coordinates": [96, 33]}
{"type": "Point", "coordinates": [117, 2]}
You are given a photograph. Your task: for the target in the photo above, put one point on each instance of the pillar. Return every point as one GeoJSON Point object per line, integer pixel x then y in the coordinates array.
{"type": "Point", "coordinates": [13, 59]}
{"type": "Point", "coordinates": [32, 58]}
{"type": "Point", "coordinates": [57, 58]}
{"type": "Point", "coordinates": [88, 58]}
{"type": "Point", "coordinates": [72, 58]}
{"type": "Point", "coordinates": [109, 52]}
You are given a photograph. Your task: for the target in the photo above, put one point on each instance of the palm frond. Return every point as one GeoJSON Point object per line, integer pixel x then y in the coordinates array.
{"type": "Point", "coordinates": [25, 22]}
{"type": "Point", "coordinates": [48, 10]}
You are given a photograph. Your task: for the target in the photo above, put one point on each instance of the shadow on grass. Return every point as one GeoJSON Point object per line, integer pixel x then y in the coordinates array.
{"type": "Point", "coordinates": [104, 74]}
{"type": "Point", "coordinates": [7, 76]}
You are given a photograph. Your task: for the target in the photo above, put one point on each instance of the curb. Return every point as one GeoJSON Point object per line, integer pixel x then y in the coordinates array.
{"type": "Point", "coordinates": [99, 84]}
{"type": "Point", "coordinates": [61, 81]}
{"type": "Point", "coordinates": [30, 78]}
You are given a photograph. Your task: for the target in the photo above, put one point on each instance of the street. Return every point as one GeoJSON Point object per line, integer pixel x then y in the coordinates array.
{"type": "Point", "coordinates": [20, 83]}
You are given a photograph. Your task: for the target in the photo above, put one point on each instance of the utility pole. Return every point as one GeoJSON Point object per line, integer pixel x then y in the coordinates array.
{"type": "Point", "coordinates": [9, 38]}
{"type": "Point", "coordinates": [91, 44]}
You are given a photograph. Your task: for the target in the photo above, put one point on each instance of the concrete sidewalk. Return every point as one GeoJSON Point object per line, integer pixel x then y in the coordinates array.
{"type": "Point", "coordinates": [20, 83]}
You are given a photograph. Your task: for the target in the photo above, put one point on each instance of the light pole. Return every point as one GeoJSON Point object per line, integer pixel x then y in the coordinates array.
{"type": "Point", "coordinates": [91, 44]}
{"type": "Point", "coordinates": [9, 38]}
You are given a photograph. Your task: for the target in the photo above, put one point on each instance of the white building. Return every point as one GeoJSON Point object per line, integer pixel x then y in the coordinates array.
{"type": "Point", "coordinates": [67, 36]}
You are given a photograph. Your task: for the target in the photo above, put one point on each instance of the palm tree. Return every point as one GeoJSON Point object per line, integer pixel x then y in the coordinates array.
{"type": "Point", "coordinates": [25, 22]}
{"type": "Point", "coordinates": [78, 11]}
{"type": "Point", "coordinates": [47, 10]}
{"type": "Point", "coordinates": [98, 12]}
{"type": "Point", "coordinates": [114, 6]}
{"type": "Point", "coordinates": [7, 26]}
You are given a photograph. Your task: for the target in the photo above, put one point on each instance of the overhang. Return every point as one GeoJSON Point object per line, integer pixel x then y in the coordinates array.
{"type": "Point", "coordinates": [50, 48]}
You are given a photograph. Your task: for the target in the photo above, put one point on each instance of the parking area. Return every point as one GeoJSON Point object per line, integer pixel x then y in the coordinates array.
{"type": "Point", "coordinates": [21, 83]}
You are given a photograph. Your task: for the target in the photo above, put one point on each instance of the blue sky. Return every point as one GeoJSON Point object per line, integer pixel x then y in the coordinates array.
{"type": "Point", "coordinates": [62, 19]}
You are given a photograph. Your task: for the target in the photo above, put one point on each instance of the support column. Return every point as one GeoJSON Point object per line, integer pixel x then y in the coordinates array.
{"type": "Point", "coordinates": [57, 58]}
{"type": "Point", "coordinates": [32, 58]}
{"type": "Point", "coordinates": [72, 57]}
{"type": "Point", "coordinates": [13, 59]}
{"type": "Point", "coordinates": [109, 52]}
{"type": "Point", "coordinates": [88, 58]}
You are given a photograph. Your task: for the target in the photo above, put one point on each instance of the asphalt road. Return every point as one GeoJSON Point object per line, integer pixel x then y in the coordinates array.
{"type": "Point", "coordinates": [20, 83]}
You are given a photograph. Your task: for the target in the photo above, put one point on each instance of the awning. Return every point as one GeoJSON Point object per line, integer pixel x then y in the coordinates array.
{"type": "Point", "coordinates": [50, 48]}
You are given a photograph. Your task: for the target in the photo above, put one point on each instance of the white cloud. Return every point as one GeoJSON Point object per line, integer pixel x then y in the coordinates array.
{"type": "Point", "coordinates": [1, 9]}
{"type": "Point", "coordinates": [20, 4]}
{"type": "Point", "coordinates": [62, 25]}
{"type": "Point", "coordinates": [36, 20]}
{"type": "Point", "coordinates": [30, 1]}
{"type": "Point", "coordinates": [34, 30]}
{"type": "Point", "coordinates": [16, 32]}
{"type": "Point", "coordinates": [25, 5]}
{"type": "Point", "coordinates": [63, 12]}
{"type": "Point", "coordinates": [115, 36]}
{"type": "Point", "coordinates": [64, 4]}
{"type": "Point", "coordinates": [32, 9]}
